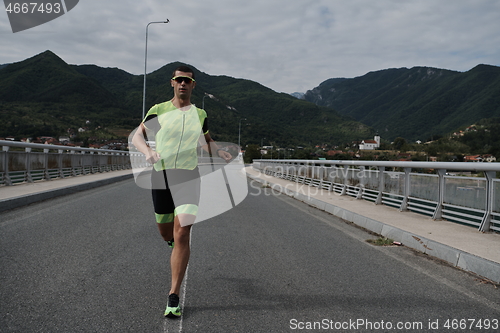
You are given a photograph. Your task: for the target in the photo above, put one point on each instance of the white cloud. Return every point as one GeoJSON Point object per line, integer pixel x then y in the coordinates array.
{"type": "Point", "coordinates": [285, 45]}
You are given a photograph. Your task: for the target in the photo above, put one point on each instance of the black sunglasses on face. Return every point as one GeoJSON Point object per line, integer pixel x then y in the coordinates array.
{"type": "Point", "coordinates": [180, 79]}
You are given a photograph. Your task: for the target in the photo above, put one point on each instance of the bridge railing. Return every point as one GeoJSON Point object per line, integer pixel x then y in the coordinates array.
{"type": "Point", "coordinates": [28, 162]}
{"type": "Point", "coordinates": [430, 188]}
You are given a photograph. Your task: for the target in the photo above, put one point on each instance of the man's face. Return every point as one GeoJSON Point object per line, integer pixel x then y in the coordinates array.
{"type": "Point", "coordinates": [184, 88]}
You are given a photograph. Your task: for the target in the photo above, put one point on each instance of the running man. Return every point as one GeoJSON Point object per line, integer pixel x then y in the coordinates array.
{"type": "Point", "coordinates": [178, 126]}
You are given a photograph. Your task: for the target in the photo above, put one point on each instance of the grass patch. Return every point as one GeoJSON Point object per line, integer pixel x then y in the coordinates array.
{"type": "Point", "coordinates": [381, 241]}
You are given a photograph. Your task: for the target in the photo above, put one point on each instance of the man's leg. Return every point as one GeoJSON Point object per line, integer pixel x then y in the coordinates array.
{"type": "Point", "coordinates": [181, 252]}
{"type": "Point", "coordinates": [166, 231]}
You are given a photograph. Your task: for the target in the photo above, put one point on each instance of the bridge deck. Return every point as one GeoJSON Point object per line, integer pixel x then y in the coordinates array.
{"type": "Point", "coordinates": [93, 262]}
{"type": "Point", "coordinates": [460, 245]}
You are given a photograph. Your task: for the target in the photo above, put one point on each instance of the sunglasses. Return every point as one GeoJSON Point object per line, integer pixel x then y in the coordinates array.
{"type": "Point", "coordinates": [180, 79]}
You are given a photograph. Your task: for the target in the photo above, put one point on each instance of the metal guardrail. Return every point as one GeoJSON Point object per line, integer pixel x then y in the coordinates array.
{"type": "Point", "coordinates": [408, 186]}
{"type": "Point", "coordinates": [45, 162]}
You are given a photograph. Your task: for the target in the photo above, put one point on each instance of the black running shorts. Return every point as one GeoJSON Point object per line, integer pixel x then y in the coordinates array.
{"type": "Point", "coordinates": [175, 191]}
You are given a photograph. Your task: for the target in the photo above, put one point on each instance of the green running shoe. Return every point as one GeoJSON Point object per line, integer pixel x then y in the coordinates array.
{"type": "Point", "coordinates": [173, 309]}
{"type": "Point", "coordinates": [171, 243]}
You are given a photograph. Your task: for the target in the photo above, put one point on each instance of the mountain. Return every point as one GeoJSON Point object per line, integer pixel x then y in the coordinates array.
{"type": "Point", "coordinates": [298, 95]}
{"type": "Point", "coordinates": [44, 95]}
{"type": "Point", "coordinates": [270, 116]}
{"type": "Point", "coordinates": [47, 78]}
{"type": "Point", "coordinates": [414, 103]}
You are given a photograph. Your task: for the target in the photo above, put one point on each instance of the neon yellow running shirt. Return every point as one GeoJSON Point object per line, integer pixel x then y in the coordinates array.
{"type": "Point", "coordinates": [177, 134]}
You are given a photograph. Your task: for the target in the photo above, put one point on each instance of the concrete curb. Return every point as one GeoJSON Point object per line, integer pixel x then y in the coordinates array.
{"type": "Point", "coordinates": [23, 200]}
{"type": "Point", "coordinates": [457, 258]}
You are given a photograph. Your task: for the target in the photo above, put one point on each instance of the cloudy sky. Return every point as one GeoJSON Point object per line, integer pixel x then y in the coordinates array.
{"type": "Point", "coordinates": [285, 45]}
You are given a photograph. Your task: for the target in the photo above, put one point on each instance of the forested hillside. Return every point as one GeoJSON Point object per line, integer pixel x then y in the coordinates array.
{"type": "Point", "coordinates": [44, 95]}
{"type": "Point", "coordinates": [414, 103]}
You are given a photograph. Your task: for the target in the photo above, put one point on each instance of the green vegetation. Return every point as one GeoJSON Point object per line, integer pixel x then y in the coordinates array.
{"type": "Point", "coordinates": [414, 103]}
{"type": "Point", "coordinates": [381, 241]}
{"type": "Point", "coordinates": [482, 138]}
{"type": "Point", "coordinates": [45, 96]}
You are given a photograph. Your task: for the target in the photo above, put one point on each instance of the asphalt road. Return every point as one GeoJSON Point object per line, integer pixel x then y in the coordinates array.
{"type": "Point", "coordinates": [93, 262]}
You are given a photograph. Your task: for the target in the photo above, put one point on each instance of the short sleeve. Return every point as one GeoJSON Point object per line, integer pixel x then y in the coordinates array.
{"type": "Point", "coordinates": [205, 126]}
{"type": "Point", "coordinates": [151, 123]}
{"type": "Point", "coordinates": [151, 120]}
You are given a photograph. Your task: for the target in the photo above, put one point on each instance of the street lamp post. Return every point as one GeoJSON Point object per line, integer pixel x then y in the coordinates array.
{"type": "Point", "coordinates": [145, 67]}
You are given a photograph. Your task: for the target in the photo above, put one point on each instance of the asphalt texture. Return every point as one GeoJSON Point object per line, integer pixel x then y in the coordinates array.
{"type": "Point", "coordinates": [93, 261]}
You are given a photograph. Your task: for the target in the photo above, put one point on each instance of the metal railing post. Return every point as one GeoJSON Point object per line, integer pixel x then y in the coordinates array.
{"type": "Point", "coordinates": [73, 167]}
{"type": "Point", "coordinates": [306, 167]}
{"type": "Point", "coordinates": [490, 194]}
{"type": "Point", "coordinates": [7, 180]}
{"type": "Point", "coordinates": [345, 174]}
{"type": "Point", "coordinates": [381, 185]}
{"type": "Point", "coordinates": [46, 174]}
{"type": "Point", "coordinates": [29, 177]}
{"type": "Point", "coordinates": [93, 160]}
{"type": "Point", "coordinates": [331, 179]}
{"type": "Point", "coordinates": [60, 162]}
{"type": "Point", "coordinates": [361, 183]}
{"type": "Point", "coordinates": [404, 202]}
{"type": "Point", "coordinates": [313, 167]}
{"type": "Point", "coordinates": [438, 212]}
{"type": "Point", "coordinates": [321, 175]}
{"type": "Point", "coordinates": [82, 160]}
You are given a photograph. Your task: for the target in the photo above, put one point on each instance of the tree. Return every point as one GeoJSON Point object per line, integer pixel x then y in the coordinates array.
{"type": "Point", "coordinates": [399, 142]}
{"type": "Point", "coordinates": [252, 152]}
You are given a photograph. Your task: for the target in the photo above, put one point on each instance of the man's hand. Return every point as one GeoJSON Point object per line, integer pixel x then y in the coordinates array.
{"type": "Point", "coordinates": [152, 156]}
{"type": "Point", "coordinates": [224, 155]}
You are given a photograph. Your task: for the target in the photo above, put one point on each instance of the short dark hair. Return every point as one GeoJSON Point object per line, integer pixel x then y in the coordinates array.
{"type": "Point", "coordinates": [185, 69]}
